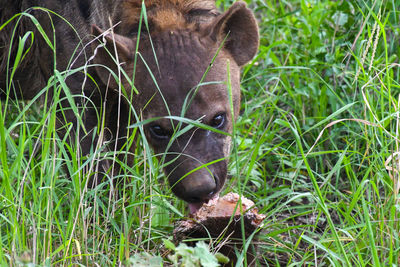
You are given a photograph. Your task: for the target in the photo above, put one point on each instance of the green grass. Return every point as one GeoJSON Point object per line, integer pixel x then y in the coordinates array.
{"type": "Point", "coordinates": [316, 148]}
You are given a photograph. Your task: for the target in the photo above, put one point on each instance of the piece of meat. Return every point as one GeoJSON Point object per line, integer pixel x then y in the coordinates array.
{"type": "Point", "coordinates": [221, 217]}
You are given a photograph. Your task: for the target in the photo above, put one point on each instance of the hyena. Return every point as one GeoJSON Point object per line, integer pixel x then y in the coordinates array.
{"type": "Point", "coordinates": [183, 59]}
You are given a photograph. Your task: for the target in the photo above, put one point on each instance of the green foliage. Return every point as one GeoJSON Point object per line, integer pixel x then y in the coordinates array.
{"type": "Point", "coordinates": [145, 259]}
{"type": "Point", "coordinates": [316, 147]}
{"type": "Point", "coordinates": [182, 255]}
{"type": "Point", "coordinates": [195, 256]}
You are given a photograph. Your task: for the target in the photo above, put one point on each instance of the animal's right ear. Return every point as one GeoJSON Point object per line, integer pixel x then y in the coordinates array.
{"type": "Point", "coordinates": [239, 26]}
{"type": "Point", "coordinates": [106, 54]}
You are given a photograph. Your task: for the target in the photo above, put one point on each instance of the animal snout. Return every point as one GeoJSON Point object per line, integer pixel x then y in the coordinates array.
{"type": "Point", "coordinates": [201, 191]}
{"type": "Point", "coordinates": [198, 187]}
{"type": "Point", "coordinates": [195, 183]}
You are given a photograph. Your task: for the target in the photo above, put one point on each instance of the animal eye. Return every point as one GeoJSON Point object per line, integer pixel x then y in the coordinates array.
{"type": "Point", "coordinates": [158, 132]}
{"type": "Point", "coordinates": [218, 121]}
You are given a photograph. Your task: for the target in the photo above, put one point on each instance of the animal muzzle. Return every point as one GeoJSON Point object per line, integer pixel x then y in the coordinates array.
{"type": "Point", "coordinates": [195, 183]}
{"type": "Point", "coordinates": [199, 186]}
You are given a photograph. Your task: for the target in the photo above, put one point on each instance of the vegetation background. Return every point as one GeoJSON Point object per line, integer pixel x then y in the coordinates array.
{"type": "Point", "coordinates": [316, 148]}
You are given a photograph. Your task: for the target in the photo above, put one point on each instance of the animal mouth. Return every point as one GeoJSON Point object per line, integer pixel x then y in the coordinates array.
{"type": "Point", "coordinates": [194, 207]}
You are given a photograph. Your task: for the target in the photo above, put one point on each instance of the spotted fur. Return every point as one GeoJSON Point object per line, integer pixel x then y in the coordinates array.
{"type": "Point", "coordinates": [176, 48]}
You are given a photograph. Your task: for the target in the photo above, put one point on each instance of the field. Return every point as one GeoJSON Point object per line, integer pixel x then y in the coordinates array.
{"type": "Point", "coordinates": [316, 148]}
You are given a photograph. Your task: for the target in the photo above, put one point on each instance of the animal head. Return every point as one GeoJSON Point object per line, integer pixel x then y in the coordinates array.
{"type": "Point", "coordinates": [185, 71]}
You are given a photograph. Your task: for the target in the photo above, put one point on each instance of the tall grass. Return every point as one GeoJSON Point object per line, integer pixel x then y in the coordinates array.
{"type": "Point", "coordinates": [316, 147]}
{"type": "Point", "coordinates": [49, 216]}
{"type": "Point", "coordinates": [328, 86]}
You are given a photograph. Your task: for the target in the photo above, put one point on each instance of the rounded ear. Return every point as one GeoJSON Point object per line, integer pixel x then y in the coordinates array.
{"type": "Point", "coordinates": [106, 54]}
{"type": "Point", "coordinates": [239, 26]}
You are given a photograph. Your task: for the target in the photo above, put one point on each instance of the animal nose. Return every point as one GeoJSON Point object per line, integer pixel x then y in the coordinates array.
{"type": "Point", "coordinates": [200, 196]}
{"type": "Point", "coordinates": [200, 189]}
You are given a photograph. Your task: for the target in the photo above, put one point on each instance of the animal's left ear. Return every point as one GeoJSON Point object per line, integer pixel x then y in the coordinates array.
{"type": "Point", "coordinates": [240, 25]}
{"type": "Point", "coordinates": [105, 55]}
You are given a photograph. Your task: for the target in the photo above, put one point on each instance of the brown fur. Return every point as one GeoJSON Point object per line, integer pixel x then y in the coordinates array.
{"type": "Point", "coordinates": [183, 38]}
{"type": "Point", "coordinates": [171, 13]}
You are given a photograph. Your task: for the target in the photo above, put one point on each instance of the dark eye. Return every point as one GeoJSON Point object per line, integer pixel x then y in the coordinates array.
{"type": "Point", "coordinates": [158, 132]}
{"type": "Point", "coordinates": [218, 121]}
